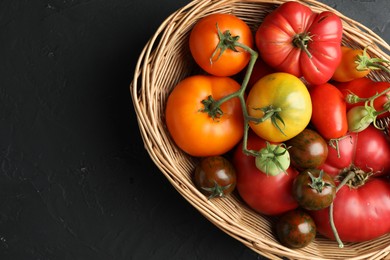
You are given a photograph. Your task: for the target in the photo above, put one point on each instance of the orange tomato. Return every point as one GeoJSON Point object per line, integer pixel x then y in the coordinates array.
{"type": "Point", "coordinates": [352, 66]}
{"type": "Point", "coordinates": [194, 130]}
{"type": "Point", "coordinates": [204, 40]}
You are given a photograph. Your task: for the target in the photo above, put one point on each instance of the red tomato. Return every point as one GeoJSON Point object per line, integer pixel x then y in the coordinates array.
{"type": "Point", "coordinates": [369, 150]}
{"type": "Point", "coordinates": [359, 214]}
{"type": "Point", "coordinates": [329, 112]}
{"type": "Point", "coordinates": [365, 88]}
{"type": "Point", "coordinates": [204, 40]}
{"type": "Point", "coordinates": [194, 130]}
{"type": "Point", "coordinates": [266, 194]}
{"type": "Point", "coordinates": [293, 39]}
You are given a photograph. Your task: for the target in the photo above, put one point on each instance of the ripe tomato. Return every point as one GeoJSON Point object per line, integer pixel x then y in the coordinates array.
{"type": "Point", "coordinates": [314, 189]}
{"type": "Point", "coordinates": [205, 37]}
{"type": "Point", "coordinates": [293, 39]}
{"type": "Point", "coordinates": [285, 101]}
{"type": "Point", "coordinates": [194, 130]}
{"type": "Point", "coordinates": [368, 150]}
{"type": "Point", "coordinates": [215, 176]}
{"type": "Point", "coordinates": [266, 194]}
{"type": "Point", "coordinates": [307, 150]}
{"type": "Point", "coordinates": [352, 65]}
{"type": "Point", "coordinates": [296, 229]}
{"type": "Point", "coordinates": [329, 111]}
{"type": "Point", "coordinates": [366, 88]}
{"type": "Point", "coordinates": [359, 214]}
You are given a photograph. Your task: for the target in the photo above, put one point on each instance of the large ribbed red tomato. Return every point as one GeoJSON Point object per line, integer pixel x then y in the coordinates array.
{"type": "Point", "coordinates": [295, 40]}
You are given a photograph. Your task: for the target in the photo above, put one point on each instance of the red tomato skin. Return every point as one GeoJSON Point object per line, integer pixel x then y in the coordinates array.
{"type": "Point", "coordinates": [359, 214]}
{"type": "Point", "coordinates": [369, 150]}
{"type": "Point", "coordinates": [329, 115]}
{"type": "Point", "coordinates": [365, 88]}
{"type": "Point", "coordinates": [372, 151]}
{"type": "Point", "coordinates": [266, 194]}
{"type": "Point", "coordinates": [275, 42]}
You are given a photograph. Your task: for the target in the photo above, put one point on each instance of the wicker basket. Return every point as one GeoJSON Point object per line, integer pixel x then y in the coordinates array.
{"type": "Point", "coordinates": [165, 61]}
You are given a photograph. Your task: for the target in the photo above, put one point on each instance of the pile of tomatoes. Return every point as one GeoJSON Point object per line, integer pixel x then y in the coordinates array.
{"type": "Point", "coordinates": [298, 137]}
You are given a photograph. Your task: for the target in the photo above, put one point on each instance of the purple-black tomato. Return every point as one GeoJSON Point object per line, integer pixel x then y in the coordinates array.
{"type": "Point", "coordinates": [215, 176]}
{"type": "Point", "coordinates": [296, 229]}
{"type": "Point", "coordinates": [314, 189]}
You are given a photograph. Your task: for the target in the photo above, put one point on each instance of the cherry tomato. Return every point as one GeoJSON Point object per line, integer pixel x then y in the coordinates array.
{"type": "Point", "coordinates": [329, 111]}
{"type": "Point", "coordinates": [197, 131]}
{"type": "Point", "coordinates": [284, 101]}
{"type": "Point", "coordinates": [296, 229]}
{"type": "Point", "coordinates": [215, 176]}
{"type": "Point", "coordinates": [308, 149]}
{"type": "Point", "coordinates": [314, 189]}
{"type": "Point", "coordinates": [295, 40]}
{"type": "Point", "coordinates": [205, 37]}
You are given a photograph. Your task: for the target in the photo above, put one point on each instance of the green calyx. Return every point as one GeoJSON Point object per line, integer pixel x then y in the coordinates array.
{"type": "Point", "coordinates": [272, 113]}
{"type": "Point", "coordinates": [364, 62]}
{"type": "Point", "coordinates": [317, 183]}
{"type": "Point", "coordinates": [273, 159]}
{"type": "Point", "coordinates": [226, 41]}
{"type": "Point", "coordinates": [215, 192]}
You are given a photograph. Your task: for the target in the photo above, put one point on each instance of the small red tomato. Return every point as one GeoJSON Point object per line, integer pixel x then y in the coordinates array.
{"type": "Point", "coordinates": [314, 189]}
{"type": "Point", "coordinates": [215, 176]}
{"type": "Point", "coordinates": [296, 229]}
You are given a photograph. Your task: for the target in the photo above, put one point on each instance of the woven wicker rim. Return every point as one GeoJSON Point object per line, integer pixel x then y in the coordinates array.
{"type": "Point", "coordinates": [164, 61]}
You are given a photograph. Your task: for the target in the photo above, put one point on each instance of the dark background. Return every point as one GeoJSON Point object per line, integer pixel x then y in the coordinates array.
{"type": "Point", "coordinates": [75, 180]}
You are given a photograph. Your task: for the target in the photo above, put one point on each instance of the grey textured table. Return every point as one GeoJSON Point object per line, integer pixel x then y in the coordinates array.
{"type": "Point", "coordinates": [75, 180]}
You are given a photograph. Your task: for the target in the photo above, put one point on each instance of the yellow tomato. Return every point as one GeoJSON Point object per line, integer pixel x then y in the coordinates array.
{"type": "Point", "coordinates": [282, 104]}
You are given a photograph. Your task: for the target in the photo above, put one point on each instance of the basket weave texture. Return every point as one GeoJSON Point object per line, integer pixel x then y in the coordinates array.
{"type": "Point", "coordinates": [165, 61]}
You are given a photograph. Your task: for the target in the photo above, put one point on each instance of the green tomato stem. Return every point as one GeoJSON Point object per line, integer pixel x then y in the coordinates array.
{"type": "Point", "coordinates": [331, 219]}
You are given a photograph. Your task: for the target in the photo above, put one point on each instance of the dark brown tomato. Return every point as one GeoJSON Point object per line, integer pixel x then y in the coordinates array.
{"type": "Point", "coordinates": [308, 150]}
{"type": "Point", "coordinates": [215, 176]}
{"type": "Point", "coordinates": [314, 189]}
{"type": "Point", "coordinates": [296, 229]}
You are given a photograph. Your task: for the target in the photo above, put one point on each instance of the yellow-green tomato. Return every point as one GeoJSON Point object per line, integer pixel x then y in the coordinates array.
{"type": "Point", "coordinates": [280, 107]}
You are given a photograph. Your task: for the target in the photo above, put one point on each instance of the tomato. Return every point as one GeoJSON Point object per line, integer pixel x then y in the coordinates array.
{"type": "Point", "coordinates": [352, 65]}
{"type": "Point", "coordinates": [359, 214]}
{"type": "Point", "coordinates": [329, 111]}
{"type": "Point", "coordinates": [193, 129]}
{"type": "Point", "coordinates": [284, 102]}
{"type": "Point", "coordinates": [364, 203]}
{"type": "Point", "coordinates": [295, 40]}
{"type": "Point", "coordinates": [217, 28]}
{"type": "Point", "coordinates": [308, 149]}
{"type": "Point", "coordinates": [368, 150]}
{"type": "Point", "coordinates": [215, 176]}
{"type": "Point", "coordinates": [366, 88]}
{"type": "Point", "coordinates": [296, 229]}
{"type": "Point", "coordinates": [314, 189]}
{"type": "Point", "coordinates": [266, 194]}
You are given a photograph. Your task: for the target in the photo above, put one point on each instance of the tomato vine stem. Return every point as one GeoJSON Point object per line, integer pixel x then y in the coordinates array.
{"type": "Point", "coordinates": [350, 176]}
